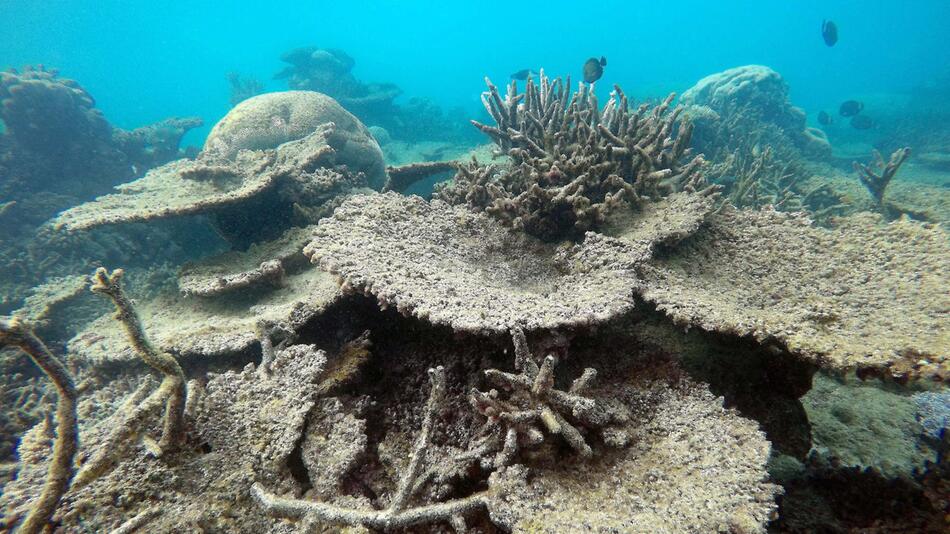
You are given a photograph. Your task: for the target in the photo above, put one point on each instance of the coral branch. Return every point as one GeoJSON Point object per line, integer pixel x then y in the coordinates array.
{"type": "Point", "coordinates": [397, 515]}
{"type": "Point", "coordinates": [174, 378]}
{"type": "Point", "coordinates": [876, 178]}
{"type": "Point", "coordinates": [15, 332]}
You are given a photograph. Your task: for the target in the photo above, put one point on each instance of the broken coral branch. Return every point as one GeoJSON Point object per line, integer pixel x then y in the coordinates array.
{"type": "Point", "coordinates": [878, 175]}
{"type": "Point", "coordinates": [60, 473]}
{"type": "Point", "coordinates": [398, 514]}
{"type": "Point", "coordinates": [174, 378]}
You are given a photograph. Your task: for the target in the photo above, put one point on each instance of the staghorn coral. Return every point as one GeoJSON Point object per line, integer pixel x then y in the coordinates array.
{"type": "Point", "coordinates": [173, 381]}
{"type": "Point", "coordinates": [876, 178]}
{"type": "Point", "coordinates": [398, 514]}
{"type": "Point", "coordinates": [572, 162]}
{"type": "Point", "coordinates": [862, 296]}
{"type": "Point", "coordinates": [60, 472]}
{"type": "Point", "coordinates": [244, 427]}
{"type": "Point", "coordinates": [454, 267]}
{"type": "Point", "coordinates": [534, 402]}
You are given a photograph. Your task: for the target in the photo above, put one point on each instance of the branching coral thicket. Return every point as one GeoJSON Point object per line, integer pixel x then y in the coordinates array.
{"type": "Point", "coordinates": [573, 162]}
{"type": "Point", "coordinates": [399, 513]}
{"type": "Point", "coordinates": [878, 175]}
{"type": "Point", "coordinates": [60, 473]}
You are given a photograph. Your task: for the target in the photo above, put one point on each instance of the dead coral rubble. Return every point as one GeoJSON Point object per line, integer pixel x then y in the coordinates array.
{"type": "Point", "coordinates": [572, 162]}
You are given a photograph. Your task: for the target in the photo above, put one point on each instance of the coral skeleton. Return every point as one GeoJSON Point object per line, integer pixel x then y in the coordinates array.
{"type": "Point", "coordinates": [535, 403]}
{"type": "Point", "coordinates": [399, 513]}
{"type": "Point", "coordinates": [573, 162]}
{"type": "Point", "coordinates": [878, 175]}
{"type": "Point", "coordinates": [110, 285]}
{"type": "Point", "coordinates": [60, 473]}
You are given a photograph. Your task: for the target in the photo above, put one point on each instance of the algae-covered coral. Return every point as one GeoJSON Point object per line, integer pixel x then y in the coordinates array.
{"type": "Point", "coordinates": [509, 356]}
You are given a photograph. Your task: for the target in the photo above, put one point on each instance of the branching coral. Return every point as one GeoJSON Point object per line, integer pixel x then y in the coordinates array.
{"type": "Point", "coordinates": [60, 472]}
{"type": "Point", "coordinates": [399, 513]}
{"type": "Point", "coordinates": [573, 162]}
{"type": "Point", "coordinates": [878, 175]}
{"type": "Point", "coordinates": [173, 383]}
{"type": "Point", "coordinates": [534, 402]}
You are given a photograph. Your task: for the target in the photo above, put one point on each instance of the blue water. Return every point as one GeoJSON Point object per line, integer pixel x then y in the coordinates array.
{"type": "Point", "coordinates": [146, 60]}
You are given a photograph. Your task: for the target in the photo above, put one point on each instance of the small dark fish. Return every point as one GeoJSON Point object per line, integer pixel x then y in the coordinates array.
{"type": "Point", "coordinates": [829, 32]}
{"type": "Point", "coordinates": [824, 118]}
{"type": "Point", "coordinates": [594, 69]}
{"type": "Point", "coordinates": [850, 108]}
{"type": "Point", "coordinates": [523, 74]}
{"type": "Point", "coordinates": [862, 122]}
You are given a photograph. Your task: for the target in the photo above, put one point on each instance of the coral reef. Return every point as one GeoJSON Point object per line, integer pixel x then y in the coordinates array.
{"type": "Point", "coordinates": [863, 296]}
{"type": "Point", "coordinates": [581, 336]}
{"type": "Point", "coordinates": [572, 162]}
{"type": "Point", "coordinates": [173, 381]}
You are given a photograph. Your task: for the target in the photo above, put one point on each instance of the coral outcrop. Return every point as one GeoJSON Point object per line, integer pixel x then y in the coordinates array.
{"type": "Point", "coordinates": [270, 120]}
{"type": "Point", "coordinates": [572, 162]}
{"type": "Point", "coordinates": [750, 105]}
{"type": "Point", "coordinates": [863, 296]}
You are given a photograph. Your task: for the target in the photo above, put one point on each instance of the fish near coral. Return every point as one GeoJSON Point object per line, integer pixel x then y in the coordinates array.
{"type": "Point", "coordinates": [850, 108]}
{"type": "Point", "coordinates": [824, 118]}
{"type": "Point", "coordinates": [594, 69]}
{"type": "Point", "coordinates": [523, 74]}
{"type": "Point", "coordinates": [829, 32]}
